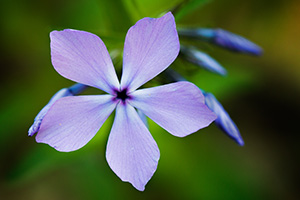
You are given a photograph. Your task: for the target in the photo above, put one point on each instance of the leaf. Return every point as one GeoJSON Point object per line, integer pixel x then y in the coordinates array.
{"type": "Point", "coordinates": [139, 9]}
{"type": "Point", "coordinates": [188, 7]}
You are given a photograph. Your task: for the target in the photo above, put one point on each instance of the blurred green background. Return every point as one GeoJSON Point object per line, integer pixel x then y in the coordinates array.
{"type": "Point", "coordinates": [261, 95]}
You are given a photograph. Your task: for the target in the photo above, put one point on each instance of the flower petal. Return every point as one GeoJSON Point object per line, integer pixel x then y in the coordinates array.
{"type": "Point", "coordinates": [82, 57]}
{"type": "Point", "coordinates": [151, 45]}
{"type": "Point", "coordinates": [177, 107]}
{"type": "Point", "coordinates": [73, 121]}
{"type": "Point", "coordinates": [40, 116]}
{"type": "Point", "coordinates": [131, 151]}
{"type": "Point", "coordinates": [71, 91]}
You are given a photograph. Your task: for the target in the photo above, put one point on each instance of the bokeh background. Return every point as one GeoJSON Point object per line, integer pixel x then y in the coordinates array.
{"type": "Point", "coordinates": [260, 93]}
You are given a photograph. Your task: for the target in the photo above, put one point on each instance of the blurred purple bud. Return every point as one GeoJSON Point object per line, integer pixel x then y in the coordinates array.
{"type": "Point", "coordinates": [173, 76]}
{"type": "Point", "coordinates": [201, 33]}
{"type": "Point", "coordinates": [203, 60]}
{"type": "Point", "coordinates": [236, 43]}
{"type": "Point", "coordinates": [71, 91]}
{"type": "Point", "coordinates": [224, 39]}
{"type": "Point", "coordinates": [224, 122]}
{"type": "Point", "coordinates": [77, 88]}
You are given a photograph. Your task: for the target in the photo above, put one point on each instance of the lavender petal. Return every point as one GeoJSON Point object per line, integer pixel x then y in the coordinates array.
{"type": "Point", "coordinates": [151, 45]}
{"type": "Point", "coordinates": [131, 151]}
{"type": "Point", "coordinates": [40, 116]}
{"type": "Point", "coordinates": [73, 121]}
{"type": "Point", "coordinates": [82, 57]}
{"type": "Point", "coordinates": [177, 107]}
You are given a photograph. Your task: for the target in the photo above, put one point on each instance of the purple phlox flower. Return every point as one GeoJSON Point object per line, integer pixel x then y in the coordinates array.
{"type": "Point", "coordinates": [73, 90]}
{"type": "Point", "coordinates": [224, 39]}
{"type": "Point", "coordinates": [202, 59]}
{"type": "Point", "coordinates": [151, 45]}
{"type": "Point", "coordinates": [224, 122]}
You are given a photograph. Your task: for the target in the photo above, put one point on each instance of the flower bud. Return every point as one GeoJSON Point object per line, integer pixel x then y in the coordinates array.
{"type": "Point", "coordinates": [224, 122]}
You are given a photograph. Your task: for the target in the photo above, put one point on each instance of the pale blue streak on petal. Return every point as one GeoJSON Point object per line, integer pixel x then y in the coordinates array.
{"type": "Point", "coordinates": [143, 117]}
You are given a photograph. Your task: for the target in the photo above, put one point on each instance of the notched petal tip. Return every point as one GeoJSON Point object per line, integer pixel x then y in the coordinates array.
{"type": "Point", "coordinates": [55, 32]}
{"type": "Point", "coordinates": [151, 45]}
{"type": "Point", "coordinates": [131, 151]}
{"type": "Point", "coordinates": [57, 148]}
{"type": "Point", "coordinates": [140, 188]}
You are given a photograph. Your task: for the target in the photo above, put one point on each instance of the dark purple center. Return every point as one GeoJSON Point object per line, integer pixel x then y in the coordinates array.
{"type": "Point", "coordinates": [122, 95]}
